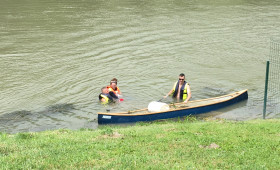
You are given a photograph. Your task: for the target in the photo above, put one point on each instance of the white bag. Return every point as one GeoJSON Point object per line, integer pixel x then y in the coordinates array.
{"type": "Point", "coordinates": [157, 107]}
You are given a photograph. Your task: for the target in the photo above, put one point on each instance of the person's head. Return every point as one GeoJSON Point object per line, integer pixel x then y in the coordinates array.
{"type": "Point", "coordinates": [113, 83]}
{"type": "Point", "coordinates": [182, 77]}
{"type": "Point", "coordinates": [104, 90]}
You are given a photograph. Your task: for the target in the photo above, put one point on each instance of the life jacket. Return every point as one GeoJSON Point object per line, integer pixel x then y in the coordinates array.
{"type": "Point", "coordinates": [107, 98]}
{"type": "Point", "coordinates": [183, 90]}
{"type": "Point", "coordinates": [117, 91]}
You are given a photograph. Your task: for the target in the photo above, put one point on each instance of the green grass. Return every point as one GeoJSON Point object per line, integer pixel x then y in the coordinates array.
{"type": "Point", "coordinates": [188, 144]}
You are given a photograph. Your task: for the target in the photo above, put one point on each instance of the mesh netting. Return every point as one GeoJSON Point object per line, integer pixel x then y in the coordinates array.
{"type": "Point", "coordinates": [273, 99]}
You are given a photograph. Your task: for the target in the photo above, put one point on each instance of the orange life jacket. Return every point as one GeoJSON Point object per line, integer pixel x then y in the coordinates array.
{"type": "Point", "coordinates": [117, 91]}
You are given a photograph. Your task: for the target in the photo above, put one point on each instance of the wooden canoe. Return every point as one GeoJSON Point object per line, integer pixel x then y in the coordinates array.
{"type": "Point", "coordinates": [176, 109]}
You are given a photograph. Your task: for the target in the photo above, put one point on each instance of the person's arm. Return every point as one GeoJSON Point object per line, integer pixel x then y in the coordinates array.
{"type": "Point", "coordinates": [113, 95]}
{"type": "Point", "coordinates": [171, 91]}
{"type": "Point", "coordinates": [189, 94]}
{"type": "Point", "coordinates": [119, 91]}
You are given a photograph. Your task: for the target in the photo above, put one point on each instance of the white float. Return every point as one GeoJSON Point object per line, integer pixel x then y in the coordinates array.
{"type": "Point", "coordinates": [157, 107]}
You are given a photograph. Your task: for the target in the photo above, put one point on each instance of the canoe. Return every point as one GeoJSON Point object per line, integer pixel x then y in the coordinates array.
{"type": "Point", "coordinates": [175, 110]}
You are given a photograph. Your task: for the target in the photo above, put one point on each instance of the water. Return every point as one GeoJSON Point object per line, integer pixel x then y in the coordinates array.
{"type": "Point", "coordinates": [56, 56]}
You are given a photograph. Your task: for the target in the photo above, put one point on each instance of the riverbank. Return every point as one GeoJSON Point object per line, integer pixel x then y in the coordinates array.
{"type": "Point", "coordinates": [189, 144]}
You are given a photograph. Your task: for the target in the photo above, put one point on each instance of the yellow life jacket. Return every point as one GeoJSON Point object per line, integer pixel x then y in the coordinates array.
{"type": "Point", "coordinates": [102, 96]}
{"type": "Point", "coordinates": [183, 90]}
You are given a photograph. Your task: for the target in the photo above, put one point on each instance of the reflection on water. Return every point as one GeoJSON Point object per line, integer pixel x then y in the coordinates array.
{"type": "Point", "coordinates": [64, 52]}
{"type": "Point", "coordinates": [47, 119]}
{"type": "Point", "coordinates": [213, 92]}
{"type": "Point", "coordinates": [232, 114]}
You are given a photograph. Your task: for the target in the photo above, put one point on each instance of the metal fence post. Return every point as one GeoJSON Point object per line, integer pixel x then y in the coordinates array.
{"type": "Point", "coordinates": [265, 89]}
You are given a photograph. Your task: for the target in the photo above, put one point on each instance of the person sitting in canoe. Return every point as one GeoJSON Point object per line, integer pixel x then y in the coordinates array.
{"type": "Point", "coordinates": [107, 96]}
{"type": "Point", "coordinates": [181, 90]}
{"type": "Point", "coordinates": [113, 87]}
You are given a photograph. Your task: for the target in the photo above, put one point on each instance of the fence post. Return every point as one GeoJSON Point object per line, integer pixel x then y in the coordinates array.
{"type": "Point", "coordinates": [265, 89]}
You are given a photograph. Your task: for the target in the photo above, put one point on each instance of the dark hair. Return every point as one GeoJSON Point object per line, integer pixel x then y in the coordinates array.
{"type": "Point", "coordinates": [182, 75]}
{"type": "Point", "coordinates": [114, 80]}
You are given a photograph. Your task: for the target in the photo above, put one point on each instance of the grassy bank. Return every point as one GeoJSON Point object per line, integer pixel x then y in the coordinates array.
{"type": "Point", "coordinates": [166, 145]}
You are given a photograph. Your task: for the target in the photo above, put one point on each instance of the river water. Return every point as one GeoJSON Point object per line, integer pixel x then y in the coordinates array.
{"type": "Point", "coordinates": [56, 55]}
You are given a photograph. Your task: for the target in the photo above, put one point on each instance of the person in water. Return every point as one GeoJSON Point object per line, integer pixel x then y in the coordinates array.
{"type": "Point", "coordinates": [181, 90]}
{"type": "Point", "coordinates": [107, 96]}
{"type": "Point", "coordinates": [113, 87]}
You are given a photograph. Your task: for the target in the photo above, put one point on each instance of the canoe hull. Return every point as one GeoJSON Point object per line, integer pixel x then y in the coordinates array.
{"type": "Point", "coordinates": [107, 118]}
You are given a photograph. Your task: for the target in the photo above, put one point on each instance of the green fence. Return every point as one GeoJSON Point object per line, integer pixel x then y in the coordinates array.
{"type": "Point", "coordinates": [272, 103]}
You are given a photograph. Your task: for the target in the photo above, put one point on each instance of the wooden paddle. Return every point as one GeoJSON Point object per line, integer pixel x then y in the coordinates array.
{"type": "Point", "coordinates": [160, 99]}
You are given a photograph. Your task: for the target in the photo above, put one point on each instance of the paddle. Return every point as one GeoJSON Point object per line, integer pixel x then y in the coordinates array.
{"type": "Point", "coordinates": [109, 109]}
{"type": "Point", "coordinates": [160, 99]}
